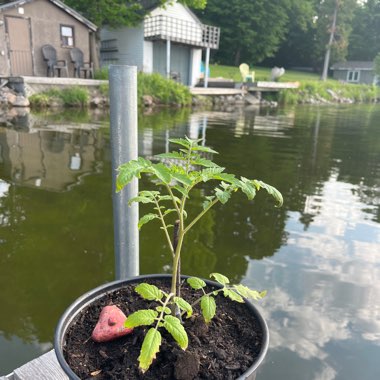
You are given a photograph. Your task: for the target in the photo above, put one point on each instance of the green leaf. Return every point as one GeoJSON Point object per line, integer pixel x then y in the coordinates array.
{"type": "Point", "coordinates": [271, 191]}
{"type": "Point", "coordinates": [182, 178]}
{"type": "Point", "coordinates": [196, 283]}
{"type": "Point", "coordinates": [140, 199]}
{"type": "Point", "coordinates": [141, 318]}
{"type": "Point", "coordinates": [172, 155]}
{"type": "Point", "coordinates": [166, 310]}
{"type": "Point", "coordinates": [181, 142]}
{"type": "Point", "coordinates": [170, 210]}
{"type": "Point", "coordinates": [208, 307]}
{"type": "Point", "coordinates": [181, 190]}
{"type": "Point", "coordinates": [149, 292]}
{"type": "Point", "coordinates": [232, 295]}
{"type": "Point", "coordinates": [247, 188]}
{"type": "Point", "coordinates": [220, 278]}
{"type": "Point", "coordinates": [249, 293]}
{"type": "Point", "coordinates": [203, 162]}
{"type": "Point", "coordinates": [146, 218]}
{"type": "Point", "coordinates": [223, 196]}
{"type": "Point", "coordinates": [150, 347]}
{"type": "Point", "coordinates": [162, 172]}
{"type": "Point", "coordinates": [174, 327]}
{"type": "Point", "coordinates": [201, 148]}
{"type": "Point", "coordinates": [183, 305]}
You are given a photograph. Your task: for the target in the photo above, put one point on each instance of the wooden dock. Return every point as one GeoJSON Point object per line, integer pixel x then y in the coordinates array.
{"type": "Point", "coordinates": [45, 367]}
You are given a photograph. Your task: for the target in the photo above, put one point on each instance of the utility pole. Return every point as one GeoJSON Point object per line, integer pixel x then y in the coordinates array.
{"type": "Point", "coordinates": [331, 40]}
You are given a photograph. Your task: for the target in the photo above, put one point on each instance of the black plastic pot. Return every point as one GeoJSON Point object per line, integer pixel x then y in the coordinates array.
{"type": "Point", "coordinates": [75, 308]}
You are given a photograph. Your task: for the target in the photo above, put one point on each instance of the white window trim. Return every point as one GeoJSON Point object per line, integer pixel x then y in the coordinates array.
{"type": "Point", "coordinates": [353, 75]}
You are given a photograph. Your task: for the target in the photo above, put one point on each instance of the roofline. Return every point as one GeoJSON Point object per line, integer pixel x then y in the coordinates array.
{"type": "Point", "coordinates": [192, 14]}
{"type": "Point", "coordinates": [59, 4]}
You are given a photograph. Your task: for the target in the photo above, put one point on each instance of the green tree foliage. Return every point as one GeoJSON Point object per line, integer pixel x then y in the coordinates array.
{"type": "Point", "coordinates": [254, 30]}
{"type": "Point", "coordinates": [364, 42]}
{"type": "Point", "coordinates": [377, 64]}
{"type": "Point", "coordinates": [116, 13]}
{"type": "Point", "coordinates": [325, 10]}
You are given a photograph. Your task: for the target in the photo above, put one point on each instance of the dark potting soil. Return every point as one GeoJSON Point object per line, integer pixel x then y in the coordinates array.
{"type": "Point", "coordinates": [222, 349]}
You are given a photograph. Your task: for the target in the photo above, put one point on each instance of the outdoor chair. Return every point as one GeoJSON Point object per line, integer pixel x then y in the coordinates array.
{"type": "Point", "coordinates": [87, 68]}
{"type": "Point", "coordinates": [245, 73]}
{"type": "Point", "coordinates": [53, 64]}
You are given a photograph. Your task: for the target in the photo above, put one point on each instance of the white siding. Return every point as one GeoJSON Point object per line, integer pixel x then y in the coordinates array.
{"type": "Point", "coordinates": [196, 58]}
{"type": "Point", "coordinates": [176, 10]}
{"type": "Point", "coordinates": [130, 45]}
{"type": "Point", "coordinates": [190, 28]}
{"type": "Point", "coordinates": [148, 57]}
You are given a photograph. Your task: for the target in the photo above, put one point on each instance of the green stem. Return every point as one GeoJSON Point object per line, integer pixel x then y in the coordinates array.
{"type": "Point", "coordinates": [165, 228]}
{"type": "Point", "coordinates": [213, 203]}
{"type": "Point", "coordinates": [160, 318]}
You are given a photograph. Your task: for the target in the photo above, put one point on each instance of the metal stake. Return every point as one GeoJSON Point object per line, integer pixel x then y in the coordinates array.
{"type": "Point", "coordinates": [123, 112]}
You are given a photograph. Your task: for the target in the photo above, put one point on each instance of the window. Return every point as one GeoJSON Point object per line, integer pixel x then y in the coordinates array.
{"type": "Point", "coordinates": [67, 36]}
{"type": "Point", "coordinates": [353, 76]}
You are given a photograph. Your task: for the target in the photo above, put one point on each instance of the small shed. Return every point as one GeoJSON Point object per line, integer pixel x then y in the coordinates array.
{"type": "Point", "coordinates": [355, 72]}
{"type": "Point", "coordinates": [27, 25]}
{"type": "Point", "coordinates": [169, 41]}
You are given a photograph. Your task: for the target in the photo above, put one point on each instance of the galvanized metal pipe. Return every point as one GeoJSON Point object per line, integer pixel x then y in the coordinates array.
{"type": "Point", "coordinates": [123, 112]}
{"type": "Point", "coordinates": [207, 67]}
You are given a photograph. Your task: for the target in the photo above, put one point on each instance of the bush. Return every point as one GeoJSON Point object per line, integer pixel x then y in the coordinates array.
{"type": "Point", "coordinates": [39, 100]}
{"type": "Point", "coordinates": [164, 91]}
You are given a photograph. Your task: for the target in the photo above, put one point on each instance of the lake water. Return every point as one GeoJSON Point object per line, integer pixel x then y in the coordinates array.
{"type": "Point", "coordinates": [318, 256]}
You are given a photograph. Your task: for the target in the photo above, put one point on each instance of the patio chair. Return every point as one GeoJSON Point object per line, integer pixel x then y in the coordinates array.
{"type": "Point", "coordinates": [53, 64]}
{"type": "Point", "coordinates": [87, 68]}
{"type": "Point", "coordinates": [245, 73]}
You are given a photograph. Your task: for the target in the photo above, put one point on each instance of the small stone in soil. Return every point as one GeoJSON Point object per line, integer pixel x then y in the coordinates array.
{"type": "Point", "coordinates": [110, 325]}
{"type": "Point", "coordinates": [186, 366]}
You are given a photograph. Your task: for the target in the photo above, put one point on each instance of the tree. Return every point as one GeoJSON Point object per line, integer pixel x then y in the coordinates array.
{"type": "Point", "coordinates": [116, 13]}
{"type": "Point", "coordinates": [364, 42]}
{"type": "Point", "coordinates": [253, 30]}
{"type": "Point", "coordinates": [341, 31]}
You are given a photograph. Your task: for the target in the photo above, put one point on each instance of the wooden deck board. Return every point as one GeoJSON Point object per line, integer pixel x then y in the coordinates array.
{"type": "Point", "coordinates": [45, 367]}
{"type": "Point", "coordinates": [216, 91]}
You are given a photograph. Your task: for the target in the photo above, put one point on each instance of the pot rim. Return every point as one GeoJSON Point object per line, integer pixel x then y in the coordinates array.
{"type": "Point", "coordinates": [95, 293]}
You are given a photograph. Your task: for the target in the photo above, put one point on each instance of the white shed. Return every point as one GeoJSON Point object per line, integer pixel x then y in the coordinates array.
{"type": "Point", "coordinates": [169, 41]}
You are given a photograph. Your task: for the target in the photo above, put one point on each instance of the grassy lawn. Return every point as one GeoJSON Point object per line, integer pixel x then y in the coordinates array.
{"type": "Point", "coordinates": [261, 73]}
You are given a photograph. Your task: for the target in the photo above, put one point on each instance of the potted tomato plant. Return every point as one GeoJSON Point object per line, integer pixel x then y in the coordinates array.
{"type": "Point", "coordinates": [169, 326]}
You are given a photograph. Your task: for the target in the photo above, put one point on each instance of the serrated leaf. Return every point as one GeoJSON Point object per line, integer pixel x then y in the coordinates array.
{"type": "Point", "coordinates": [247, 188]}
{"type": "Point", "coordinates": [149, 292]}
{"type": "Point", "coordinates": [183, 305]}
{"type": "Point", "coordinates": [270, 190]}
{"type": "Point", "coordinates": [165, 309]}
{"type": "Point", "coordinates": [182, 178]}
{"type": "Point", "coordinates": [232, 295]}
{"type": "Point", "coordinates": [150, 347]}
{"type": "Point", "coordinates": [171, 155]}
{"type": "Point", "coordinates": [201, 148]}
{"type": "Point", "coordinates": [169, 211]}
{"type": "Point", "coordinates": [174, 327]}
{"type": "Point", "coordinates": [208, 307]}
{"type": "Point", "coordinates": [196, 283]}
{"type": "Point", "coordinates": [249, 293]}
{"type": "Point", "coordinates": [141, 318]}
{"type": "Point", "coordinates": [181, 190]}
{"type": "Point", "coordinates": [223, 196]}
{"type": "Point", "coordinates": [204, 162]}
{"type": "Point", "coordinates": [181, 142]}
{"type": "Point", "coordinates": [162, 172]}
{"type": "Point", "coordinates": [146, 218]}
{"type": "Point", "coordinates": [140, 199]}
{"type": "Point", "coordinates": [220, 278]}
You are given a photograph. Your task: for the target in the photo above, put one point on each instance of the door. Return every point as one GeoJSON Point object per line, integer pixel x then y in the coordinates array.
{"type": "Point", "coordinates": [179, 60]}
{"type": "Point", "coordinates": [20, 45]}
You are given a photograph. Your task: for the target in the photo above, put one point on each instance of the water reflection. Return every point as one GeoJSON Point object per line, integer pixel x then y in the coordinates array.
{"type": "Point", "coordinates": [317, 256]}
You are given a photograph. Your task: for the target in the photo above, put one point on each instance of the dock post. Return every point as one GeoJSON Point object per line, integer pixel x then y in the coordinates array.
{"type": "Point", "coordinates": [207, 67]}
{"type": "Point", "coordinates": [124, 142]}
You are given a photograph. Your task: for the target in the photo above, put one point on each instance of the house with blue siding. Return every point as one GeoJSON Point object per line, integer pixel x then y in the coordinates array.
{"type": "Point", "coordinates": [362, 72]}
{"type": "Point", "coordinates": [169, 41]}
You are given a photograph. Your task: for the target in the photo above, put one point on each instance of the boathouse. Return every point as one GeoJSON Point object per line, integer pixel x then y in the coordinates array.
{"type": "Point", "coordinates": [27, 25]}
{"type": "Point", "coordinates": [355, 72]}
{"type": "Point", "coordinates": [169, 41]}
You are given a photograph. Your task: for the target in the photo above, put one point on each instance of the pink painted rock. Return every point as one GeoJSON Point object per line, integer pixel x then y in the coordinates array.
{"type": "Point", "coordinates": [110, 325]}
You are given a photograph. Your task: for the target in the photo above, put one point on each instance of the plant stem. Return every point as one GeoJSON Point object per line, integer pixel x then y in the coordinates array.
{"type": "Point", "coordinates": [170, 295]}
{"type": "Point", "coordinates": [172, 249]}
{"type": "Point", "coordinates": [214, 202]}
